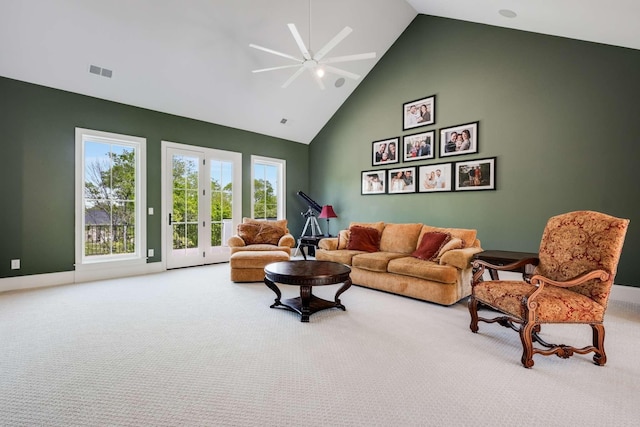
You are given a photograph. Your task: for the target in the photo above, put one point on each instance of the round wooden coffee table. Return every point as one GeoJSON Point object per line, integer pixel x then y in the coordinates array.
{"type": "Point", "coordinates": [307, 274]}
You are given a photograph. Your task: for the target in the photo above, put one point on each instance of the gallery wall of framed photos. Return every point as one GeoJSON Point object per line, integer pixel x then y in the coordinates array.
{"type": "Point", "coordinates": [435, 176]}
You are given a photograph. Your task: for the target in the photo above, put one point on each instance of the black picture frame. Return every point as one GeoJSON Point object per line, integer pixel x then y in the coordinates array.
{"type": "Point", "coordinates": [412, 148]}
{"type": "Point", "coordinates": [402, 180]}
{"type": "Point", "coordinates": [468, 179]}
{"type": "Point", "coordinates": [381, 153]}
{"type": "Point", "coordinates": [411, 116]}
{"type": "Point", "coordinates": [373, 182]}
{"type": "Point", "coordinates": [435, 178]}
{"type": "Point", "coordinates": [449, 147]}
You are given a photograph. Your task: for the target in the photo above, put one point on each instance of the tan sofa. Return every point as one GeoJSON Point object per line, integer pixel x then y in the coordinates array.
{"type": "Point", "coordinates": [444, 280]}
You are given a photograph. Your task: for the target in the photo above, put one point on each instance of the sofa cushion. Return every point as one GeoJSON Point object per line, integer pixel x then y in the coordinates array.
{"type": "Point", "coordinates": [402, 238]}
{"type": "Point", "coordinates": [468, 236]}
{"type": "Point", "coordinates": [343, 239]}
{"type": "Point", "coordinates": [260, 233]}
{"type": "Point", "coordinates": [376, 261]}
{"type": "Point", "coordinates": [363, 239]}
{"type": "Point", "coordinates": [343, 256]}
{"type": "Point", "coordinates": [454, 243]}
{"type": "Point", "coordinates": [377, 225]}
{"type": "Point", "coordinates": [430, 245]}
{"type": "Point", "coordinates": [428, 270]}
{"type": "Point", "coordinates": [282, 223]}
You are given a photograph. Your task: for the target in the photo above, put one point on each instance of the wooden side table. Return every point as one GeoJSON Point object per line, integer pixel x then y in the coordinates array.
{"type": "Point", "coordinates": [310, 242]}
{"type": "Point", "coordinates": [497, 257]}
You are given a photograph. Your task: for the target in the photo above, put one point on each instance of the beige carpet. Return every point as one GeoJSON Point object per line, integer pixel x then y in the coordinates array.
{"type": "Point", "coordinates": [189, 348]}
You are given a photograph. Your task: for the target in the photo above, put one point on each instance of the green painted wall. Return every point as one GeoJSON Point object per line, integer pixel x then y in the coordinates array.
{"type": "Point", "coordinates": [561, 115]}
{"type": "Point", "coordinates": [37, 168]}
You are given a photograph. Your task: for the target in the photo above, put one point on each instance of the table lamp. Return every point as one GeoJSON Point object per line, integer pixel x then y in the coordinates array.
{"type": "Point", "coordinates": [327, 212]}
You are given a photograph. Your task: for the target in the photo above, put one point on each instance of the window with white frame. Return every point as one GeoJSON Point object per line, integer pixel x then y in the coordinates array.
{"type": "Point", "coordinates": [268, 188]}
{"type": "Point", "coordinates": [110, 198]}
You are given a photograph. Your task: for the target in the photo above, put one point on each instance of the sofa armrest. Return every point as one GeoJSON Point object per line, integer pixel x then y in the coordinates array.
{"type": "Point", "coordinates": [287, 240]}
{"type": "Point", "coordinates": [236, 241]}
{"type": "Point", "coordinates": [328, 243]}
{"type": "Point", "coordinates": [460, 258]}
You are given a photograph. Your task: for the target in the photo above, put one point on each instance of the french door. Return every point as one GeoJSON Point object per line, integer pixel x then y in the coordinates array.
{"type": "Point", "coordinates": [202, 203]}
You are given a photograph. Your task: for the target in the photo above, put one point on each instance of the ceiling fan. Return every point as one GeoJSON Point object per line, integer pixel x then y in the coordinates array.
{"type": "Point", "coordinates": [316, 64]}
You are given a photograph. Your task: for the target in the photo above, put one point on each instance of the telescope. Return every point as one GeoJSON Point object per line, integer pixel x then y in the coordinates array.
{"type": "Point", "coordinates": [312, 222]}
{"type": "Point", "coordinates": [312, 203]}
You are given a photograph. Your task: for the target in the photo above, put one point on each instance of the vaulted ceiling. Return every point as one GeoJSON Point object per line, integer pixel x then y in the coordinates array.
{"type": "Point", "coordinates": [192, 57]}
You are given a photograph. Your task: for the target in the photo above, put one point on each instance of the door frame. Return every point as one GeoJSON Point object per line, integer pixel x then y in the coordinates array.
{"type": "Point", "coordinates": [208, 152]}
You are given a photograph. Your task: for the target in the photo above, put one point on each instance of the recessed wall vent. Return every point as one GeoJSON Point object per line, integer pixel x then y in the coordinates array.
{"type": "Point", "coordinates": [104, 72]}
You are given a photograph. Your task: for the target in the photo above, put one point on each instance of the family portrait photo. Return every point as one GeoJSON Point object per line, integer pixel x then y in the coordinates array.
{"type": "Point", "coordinates": [434, 178]}
{"type": "Point", "coordinates": [418, 146]}
{"type": "Point", "coordinates": [402, 180]}
{"type": "Point", "coordinates": [373, 182]}
{"type": "Point", "coordinates": [476, 175]}
{"type": "Point", "coordinates": [420, 112]}
{"type": "Point", "coordinates": [385, 151]}
{"type": "Point", "coordinates": [460, 139]}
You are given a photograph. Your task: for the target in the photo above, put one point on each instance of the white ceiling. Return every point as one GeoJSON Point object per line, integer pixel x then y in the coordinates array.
{"type": "Point", "coordinates": [192, 57]}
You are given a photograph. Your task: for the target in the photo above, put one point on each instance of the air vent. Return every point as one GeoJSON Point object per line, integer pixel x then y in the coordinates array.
{"type": "Point", "coordinates": [104, 72]}
{"type": "Point", "coordinates": [283, 121]}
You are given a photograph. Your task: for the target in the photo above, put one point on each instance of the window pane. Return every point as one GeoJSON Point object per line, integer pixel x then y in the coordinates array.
{"type": "Point", "coordinates": [97, 177]}
{"type": "Point", "coordinates": [123, 172]}
{"type": "Point", "coordinates": [265, 191]}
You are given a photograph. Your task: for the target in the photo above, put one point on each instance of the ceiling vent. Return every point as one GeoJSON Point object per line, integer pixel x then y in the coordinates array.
{"type": "Point", "coordinates": [104, 72]}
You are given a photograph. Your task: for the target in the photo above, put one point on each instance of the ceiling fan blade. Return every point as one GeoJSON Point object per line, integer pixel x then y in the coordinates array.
{"type": "Point", "coordinates": [275, 68]}
{"type": "Point", "coordinates": [299, 42]}
{"type": "Point", "coordinates": [275, 52]}
{"type": "Point", "coordinates": [293, 77]}
{"type": "Point", "coordinates": [316, 77]}
{"type": "Point", "coordinates": [340, 72]}
{"type": "Point", "coordinates": [347, 58]}
{"type": "Point", "coordinates": [332, 43]}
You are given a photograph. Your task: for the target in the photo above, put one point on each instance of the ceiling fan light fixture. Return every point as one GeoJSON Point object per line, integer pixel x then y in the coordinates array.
{"type": "Point", "coordinates": [507, 13]}
{"type": "Point", "coordinates": [320, 72]}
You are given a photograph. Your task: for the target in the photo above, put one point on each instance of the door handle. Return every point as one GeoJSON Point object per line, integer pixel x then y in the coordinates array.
{"type": "Point", "coordinates": [170, 219]}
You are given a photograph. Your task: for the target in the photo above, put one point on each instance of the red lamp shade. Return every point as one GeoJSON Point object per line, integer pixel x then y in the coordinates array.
{"type": "Point", "coordinates": [327, 212]}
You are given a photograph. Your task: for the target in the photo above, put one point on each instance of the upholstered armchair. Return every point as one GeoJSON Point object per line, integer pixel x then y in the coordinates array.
{"type": "Point", "coordinates": [571, 282]}
{"type": "Point", "coordinates": [259, 235]}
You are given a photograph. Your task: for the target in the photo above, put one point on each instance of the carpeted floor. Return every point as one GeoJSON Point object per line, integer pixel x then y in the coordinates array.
{"type": "Point", "coordinates": [189, 348]}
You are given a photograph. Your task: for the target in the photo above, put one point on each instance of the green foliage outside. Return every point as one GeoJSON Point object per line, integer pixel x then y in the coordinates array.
{"type": "Point", "coordinates": [265, 202]}
{"type": "Point", "coordinates": [110, 204]}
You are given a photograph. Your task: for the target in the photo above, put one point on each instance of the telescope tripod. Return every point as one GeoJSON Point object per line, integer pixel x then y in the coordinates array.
{"type": "Point", "coordinates": [316, 232]}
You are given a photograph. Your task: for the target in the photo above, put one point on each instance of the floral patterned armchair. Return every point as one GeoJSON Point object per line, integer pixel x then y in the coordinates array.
{"type": "Point", "coordinates": [573, 275]}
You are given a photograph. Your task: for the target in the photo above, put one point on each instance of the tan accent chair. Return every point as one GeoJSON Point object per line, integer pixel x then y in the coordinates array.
{"type": "Point", "coordinates": [256, 244]}
{"type": "Point", "coordinates": [572, 280]}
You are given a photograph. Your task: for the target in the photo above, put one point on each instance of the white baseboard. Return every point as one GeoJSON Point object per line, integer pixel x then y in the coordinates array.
{"type": "Point", "coordinates": [68, 277]}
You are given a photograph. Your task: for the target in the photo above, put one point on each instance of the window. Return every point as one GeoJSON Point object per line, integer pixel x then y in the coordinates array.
{"type": "Point", "coordinates": [110, 201]}
{"type": "Point", "coordinates": [268, 188]}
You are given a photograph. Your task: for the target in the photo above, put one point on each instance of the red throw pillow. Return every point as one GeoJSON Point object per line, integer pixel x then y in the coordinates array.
{"type": "Point", "coordinates": [430, 245]}
{"type": "Point", "coordinates": [363, 239]}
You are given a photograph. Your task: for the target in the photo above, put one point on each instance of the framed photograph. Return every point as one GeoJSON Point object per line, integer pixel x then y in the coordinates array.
{"type": "Point", "coordinates": [402, 180]}
{"type": "Point", "coordinates": [418, 146]}
{"type": "Point", "coordinates": [461, 139]}
{"type": "Point", "coordinates": [435, 178]}
{"type": "Point", "coordinates": [374, 182]}
{"type": "Point", "coordinates": [476, 175]}
{"type": "Point", "coordinates": [385, 151]}
{"type": "Point", "coordinates": [420, 112]}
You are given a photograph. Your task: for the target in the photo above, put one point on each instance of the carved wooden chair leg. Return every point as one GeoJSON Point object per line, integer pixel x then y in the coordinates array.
{"type": "Point", "coordinates": [473, 310]}
{"type": "Point", "coordinates": [526, 331]}
{"type": "Point", "coordinates": [600, 357]}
